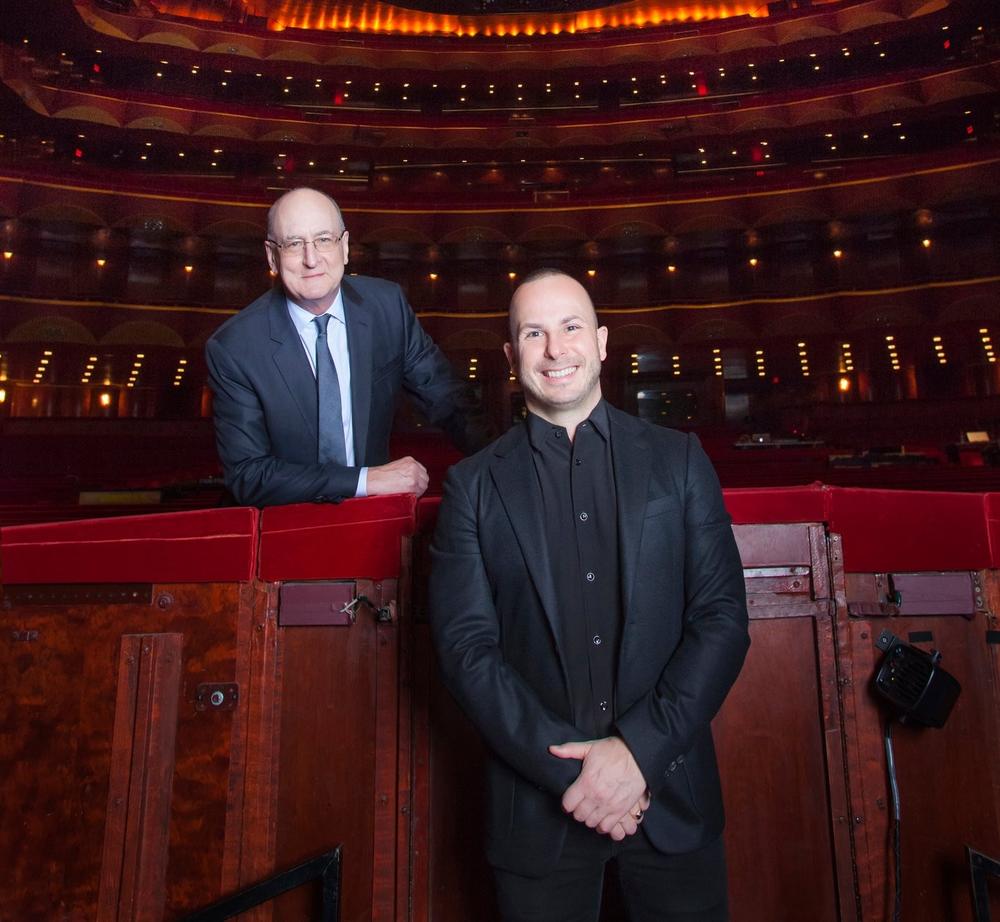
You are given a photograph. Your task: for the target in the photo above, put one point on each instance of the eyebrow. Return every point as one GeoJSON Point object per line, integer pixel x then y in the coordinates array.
{"type": "Point", "coordinates": [538, 326]}
{"type": "Point", "coordinates": [323, 233]}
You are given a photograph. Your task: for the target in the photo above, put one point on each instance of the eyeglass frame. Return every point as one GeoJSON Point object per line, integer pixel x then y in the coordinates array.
{"type": "Point", "coordinates": [283, 248]}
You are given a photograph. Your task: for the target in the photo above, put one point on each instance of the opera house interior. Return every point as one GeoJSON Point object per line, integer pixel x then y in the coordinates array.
{"type": "Point", "coordinates": [786, 213]}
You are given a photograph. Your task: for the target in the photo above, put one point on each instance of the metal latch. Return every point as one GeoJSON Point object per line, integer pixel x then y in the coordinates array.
{"type": "Point", "coordinates": [216, 696]}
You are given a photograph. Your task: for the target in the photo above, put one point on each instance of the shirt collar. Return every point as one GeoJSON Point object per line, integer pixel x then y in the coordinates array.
{"type": "Point", "coordinates": [599, 419]}
{"type": "Point", "coordinates": [540, 429]}
{"type": "Point", "coordinates": [303, 318]}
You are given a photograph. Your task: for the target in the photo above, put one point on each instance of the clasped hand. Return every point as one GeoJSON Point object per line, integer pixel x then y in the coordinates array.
{"type": "Point", "coordinates": [406, 475]}
{"type": "Point", "coordinates": [610, 794]}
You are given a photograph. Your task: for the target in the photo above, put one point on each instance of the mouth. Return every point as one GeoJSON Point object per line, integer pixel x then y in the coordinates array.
{"type": "Point", "coordinates": [555, 374]}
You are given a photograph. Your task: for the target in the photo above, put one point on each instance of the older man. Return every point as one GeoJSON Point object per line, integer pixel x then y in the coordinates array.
{"type": "Point", "coordinates": [306, 378]}
{"type": "Point", "coordinates": [588, 610]}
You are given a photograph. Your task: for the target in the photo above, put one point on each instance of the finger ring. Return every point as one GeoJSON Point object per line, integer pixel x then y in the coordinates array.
{"type": "Point", "coordinates": [638, 816]}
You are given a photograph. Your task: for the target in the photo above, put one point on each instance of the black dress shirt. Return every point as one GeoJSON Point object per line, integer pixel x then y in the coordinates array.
{"type": "Point", "coordinates": [577, 484]}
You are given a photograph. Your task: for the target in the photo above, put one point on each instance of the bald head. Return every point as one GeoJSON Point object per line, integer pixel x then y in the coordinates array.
{"type": "Point", "coordinates": [539, 282]}
{"type": "Point", "coordinates": [297, 198]}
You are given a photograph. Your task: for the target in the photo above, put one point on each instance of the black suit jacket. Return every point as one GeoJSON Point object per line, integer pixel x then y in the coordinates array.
{"type": "Point", "coordinates": [498, 629]}
{"type": "Point", "coordinates": [265, 393]}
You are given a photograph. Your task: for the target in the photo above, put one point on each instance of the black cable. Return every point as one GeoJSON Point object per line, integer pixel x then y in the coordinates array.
{"type": "Point", "coordinates": [890, 762]}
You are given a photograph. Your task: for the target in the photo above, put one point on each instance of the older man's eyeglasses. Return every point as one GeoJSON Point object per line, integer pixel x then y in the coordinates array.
{"type": "Point", "coordinates": [296, 246]}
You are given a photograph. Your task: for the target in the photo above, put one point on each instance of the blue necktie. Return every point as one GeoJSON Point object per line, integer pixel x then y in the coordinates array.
{"type": "Point", "coordinates": [331, 417]}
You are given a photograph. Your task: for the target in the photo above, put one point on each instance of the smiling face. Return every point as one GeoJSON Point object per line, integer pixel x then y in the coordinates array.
{"type": "Point", "coordinates": [310, 279]}
{"type": "Point", "coordinates": [556, 349]}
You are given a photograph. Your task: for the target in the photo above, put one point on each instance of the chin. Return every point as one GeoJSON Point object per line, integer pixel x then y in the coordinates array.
{"type": "Point", "coordinates": [316, 294]}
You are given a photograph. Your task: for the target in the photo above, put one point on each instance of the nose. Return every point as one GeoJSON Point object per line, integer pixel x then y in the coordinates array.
{"type": "Point", "coordinates": [310, 256]}
{"type": "Point", "coordinates": [554, 346]}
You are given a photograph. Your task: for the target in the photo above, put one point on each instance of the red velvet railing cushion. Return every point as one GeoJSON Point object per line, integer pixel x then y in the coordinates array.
{"type": "Point", "coordinates": [771, 505]}
{"type": "Point", "coordinates": [358, 538]}
{"type": "Point", "coordinates": [882, 530]}
{"type": "Point", "coordinates": [201, 546]}
{"type": "Point", "coordinates": [910, 530]}
{"type": "Point", "coordinates": [885, 530]}
{"type": "Point", "coordinates": [992, 503]}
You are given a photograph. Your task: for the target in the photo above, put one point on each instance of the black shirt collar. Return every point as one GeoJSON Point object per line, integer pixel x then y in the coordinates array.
{"type": "Point", "coordinates": [541, 429]}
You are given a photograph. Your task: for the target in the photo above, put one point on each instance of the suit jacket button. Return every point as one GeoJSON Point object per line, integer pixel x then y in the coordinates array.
{"type": "Point", "coordinates": [673, 766]}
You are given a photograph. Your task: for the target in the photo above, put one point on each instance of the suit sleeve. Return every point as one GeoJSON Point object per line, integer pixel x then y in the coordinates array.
{"type": "Point", "coordinates": [466, 630]}
{"type": "Point", "coordinates": [254, 475]}
{"type": "Point", "coordinates": [444, 399]}
{"type": "Point", "coordinates": [663, 724]}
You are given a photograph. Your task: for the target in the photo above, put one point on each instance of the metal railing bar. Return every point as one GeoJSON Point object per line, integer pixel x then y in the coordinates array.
{"type": "Point", "coordinates": [325, 867]}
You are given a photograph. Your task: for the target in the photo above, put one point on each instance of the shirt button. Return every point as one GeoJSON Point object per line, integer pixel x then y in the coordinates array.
{"type": "Point", "coordinates": [584, 516]}
{"type": "Point", "coordinates": [578, 462]}
{"type": "Point", "coordinates": [603, 705]}
{"type": "Point", "coordinates": [597, 640]}
{"type": "Point", "coordinates": [591, 577]}
{"type": "Point", "coordinates": [583, 425]}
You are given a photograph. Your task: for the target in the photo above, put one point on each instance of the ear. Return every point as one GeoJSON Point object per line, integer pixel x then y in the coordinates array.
{"type": "Point", "coordinates": [602, 342]}
{"type": "Point", "coordinates": [344, 243]}
{"type": "Point", "coordinates": [271, 252]}
{"type": "Point", "coordinates": [508, 350]}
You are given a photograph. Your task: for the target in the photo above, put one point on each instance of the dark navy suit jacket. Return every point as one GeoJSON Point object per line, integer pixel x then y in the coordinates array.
{"type": "Point", "coordinates": [265, 393]}
{"type": "Point", "coordinates": [498, 629]}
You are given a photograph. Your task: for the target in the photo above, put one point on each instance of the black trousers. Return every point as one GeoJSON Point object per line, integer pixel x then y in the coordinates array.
{"type": "Point", "coordinates": [655, 887]}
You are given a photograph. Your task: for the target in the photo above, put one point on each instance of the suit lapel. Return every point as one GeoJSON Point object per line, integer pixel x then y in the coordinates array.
{"type": "Point", "coordinates": [632, 462]}
{"type": "Point", "coordinates": [291, 362]}
{"type": "Point", "coordinates": [362, 355]}
{"type": "Point", "coordinates": [513, 473]}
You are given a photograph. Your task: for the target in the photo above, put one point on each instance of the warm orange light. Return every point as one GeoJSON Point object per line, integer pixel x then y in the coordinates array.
{"type": "Point", "coordinates": [105, 399]}
{"type": "Point", "coordinates": [372, 16]}
{"type": "Point", "coordinates": [189, 269]}
{"type": "Point", "coordinates": [837, 254]}
{"type": "Point", "coordinates": [101, 262]}
{"type": "Point", "coordinates": [512, 275]}
{"type": "Point", "coordinates": [844, 384]}
{"type": "Point", "coordinates": [753, 262]}
{"type": "Point", "coordinates": [926, 243]}
{"type": "Point", "coordinates": [8, 254]}
{"type": "Point", "coordinates": [671, 268]}
{"type": "Point", "coordinates": [3, 395]}
{"type": "Point", "coordinates": [433, 276]}
{"type": "Point", "coordinates": [591, 272]}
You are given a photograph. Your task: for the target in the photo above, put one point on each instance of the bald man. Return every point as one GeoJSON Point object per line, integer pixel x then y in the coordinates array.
{"type": "Point", "coordinates": [588, 609]}
{"type": "Point", "coordinates": [305, 380]}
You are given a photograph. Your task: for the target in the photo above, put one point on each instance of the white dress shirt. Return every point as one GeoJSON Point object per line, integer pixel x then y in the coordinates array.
{"type": "Point", "coordinates": [336, 339]}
